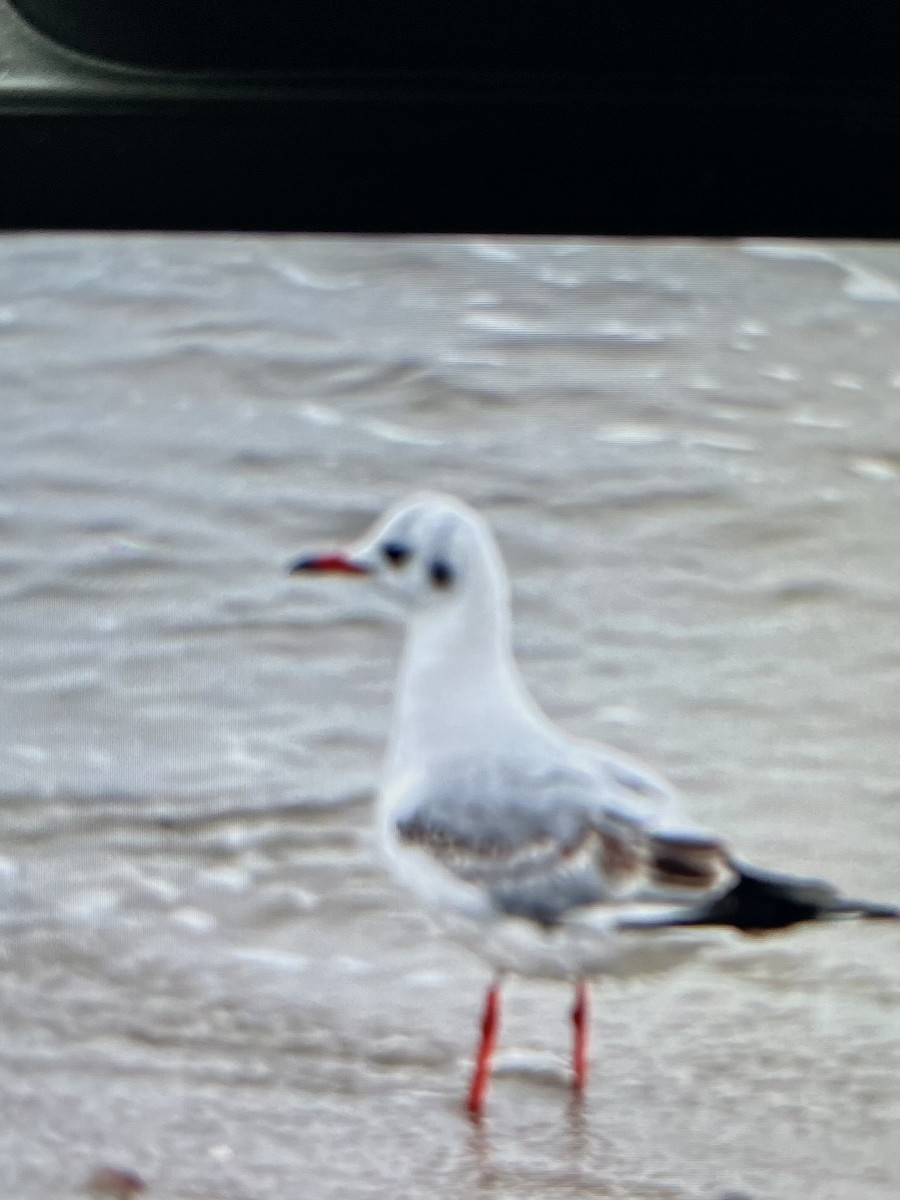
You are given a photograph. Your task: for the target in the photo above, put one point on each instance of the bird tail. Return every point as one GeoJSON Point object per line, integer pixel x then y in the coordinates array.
{"type": "Point", "coordinates": [758, 901]}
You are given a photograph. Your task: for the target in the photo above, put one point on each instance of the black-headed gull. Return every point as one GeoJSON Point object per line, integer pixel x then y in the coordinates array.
{"type": "Point", "coordinates": [550, 856]}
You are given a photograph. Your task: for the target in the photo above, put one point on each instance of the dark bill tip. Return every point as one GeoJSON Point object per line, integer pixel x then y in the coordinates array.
{"type": "Point", "coordinates": [331, 563]}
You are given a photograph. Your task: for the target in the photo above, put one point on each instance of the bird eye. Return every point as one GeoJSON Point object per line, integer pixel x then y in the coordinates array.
{"type": "Point", "coordinates": [395, 553]}
{"type": "Point", "coordinates": [441, 573]}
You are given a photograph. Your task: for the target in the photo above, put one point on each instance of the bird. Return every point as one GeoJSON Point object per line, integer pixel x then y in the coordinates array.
{"type": "Point", "coordinates": [548, 855]}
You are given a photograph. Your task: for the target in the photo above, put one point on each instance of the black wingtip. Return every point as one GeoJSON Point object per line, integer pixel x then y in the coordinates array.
{"type": "Point", "coordinates": [759, 902]}
{"type": "Point", "coordinates": [876, 912]}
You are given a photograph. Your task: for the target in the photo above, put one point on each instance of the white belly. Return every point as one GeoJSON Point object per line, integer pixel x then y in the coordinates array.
{"type": "Point", "coordinates": [577, 949]}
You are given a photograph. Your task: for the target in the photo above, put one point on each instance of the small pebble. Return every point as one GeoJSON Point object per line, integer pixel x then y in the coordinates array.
{"type": "Point", "coordinates": [110, 1183]}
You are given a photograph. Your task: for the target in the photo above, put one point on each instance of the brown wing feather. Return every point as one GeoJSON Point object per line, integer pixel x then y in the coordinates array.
{"type": "Point", "coordinates": [542, 876]}
{"type": "Point", "coordinates": [697, 864]}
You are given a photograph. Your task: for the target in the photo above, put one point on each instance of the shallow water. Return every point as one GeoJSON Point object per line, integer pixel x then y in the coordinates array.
{"type": "Point", "coordinates": [691, 455]}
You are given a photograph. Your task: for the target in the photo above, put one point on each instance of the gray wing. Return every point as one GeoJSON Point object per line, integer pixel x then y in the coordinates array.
{"type": "Point", "coordinates": [541, 844]}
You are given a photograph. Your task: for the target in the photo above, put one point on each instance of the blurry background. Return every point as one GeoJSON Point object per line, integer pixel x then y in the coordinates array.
{"type": "Point", "coordinates": [691, 456]}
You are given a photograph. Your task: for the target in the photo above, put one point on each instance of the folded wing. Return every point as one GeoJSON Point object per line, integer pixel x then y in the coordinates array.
{"type": "Point", "coordinates": [541, 844]}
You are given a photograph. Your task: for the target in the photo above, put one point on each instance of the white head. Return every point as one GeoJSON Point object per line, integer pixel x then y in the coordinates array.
{"type": "Point", "coordinates": [430, 552]}
{"type": "Point", "coordinates": [458, 682]}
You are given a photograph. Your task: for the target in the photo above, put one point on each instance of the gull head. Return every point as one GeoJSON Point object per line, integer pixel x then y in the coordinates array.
{"type": "Point", "coordinates": [430, 552]}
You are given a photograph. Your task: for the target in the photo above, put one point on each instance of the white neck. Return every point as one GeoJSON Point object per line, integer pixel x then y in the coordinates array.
{"type": "Point", "coordinates": [459, 685]}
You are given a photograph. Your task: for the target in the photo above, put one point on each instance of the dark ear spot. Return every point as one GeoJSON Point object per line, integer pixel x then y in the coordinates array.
{"type": "Point", "coordinates": [441, 573]}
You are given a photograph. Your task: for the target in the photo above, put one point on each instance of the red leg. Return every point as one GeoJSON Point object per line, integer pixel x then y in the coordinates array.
{"type": "Point", "coordinates": [481, 1076]}
{"type": "Point", "coordinates": [581, 1020]}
